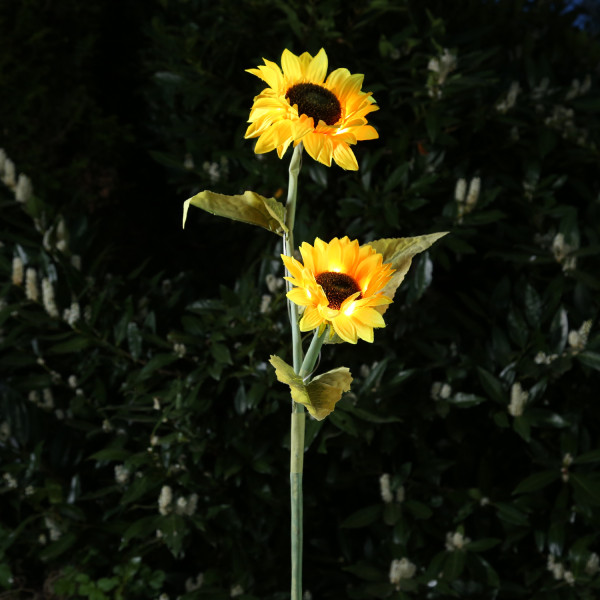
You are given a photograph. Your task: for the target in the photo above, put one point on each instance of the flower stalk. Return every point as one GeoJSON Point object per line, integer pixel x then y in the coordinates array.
{"type": "Point", "coordinates": [288, 246]}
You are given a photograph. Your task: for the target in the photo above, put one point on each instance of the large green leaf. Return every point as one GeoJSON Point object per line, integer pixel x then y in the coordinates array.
{"type": "Point", "coordinates": [321, 395]}
{"type": "Point", "coordinates": [399, 252]}
{"type": "Point", "coordinates": [248, 207]}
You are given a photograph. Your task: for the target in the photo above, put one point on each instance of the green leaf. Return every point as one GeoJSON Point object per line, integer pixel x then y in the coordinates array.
{"type": "Point", "coordinates": [482, 545]}
{"type": "Point", "coordinates": [418, 509]}
{"type": "Point", "coordinates": [59, 547]}
{"type": "Point", "coordinates": [249, 207]}
{"type": "Point", "coordinates": [589, 488]}
{"type": "Point", "coordinates": [510, 514]}
{"type": "Point", "coordinates": [363, 517]}
{"type": "Point", "coordinates": [590, 359]}
{"type": "Point", "coordinates": [454, 565]}
{"type": "Point", "coordinates": [399, 252]}
{"type": "Point", "coordinates": [391, 513]}
{"type": "Point", "coordinates": [155, 363]}
{"type": "Point", "coordinates": [321, 395]}
{"type": "Point", "coordinates": [134, 340]}
{"type": "Point", "coordinates": [492, 386]}
{"type": "Point", "coordinates": [75, 344]}
{"type": "Point", "coordinates": [465, 400]}
{"type": "Point", "coordinates": [588, 457]}
{"type": "Point", "coordinates": [221, 353]}
{"type": "Point", "coordinates": [110, 454]}
{"type": "Point", "coordinates": [6, 577]}
{"type": "Point", "coordinates": [536, 481]}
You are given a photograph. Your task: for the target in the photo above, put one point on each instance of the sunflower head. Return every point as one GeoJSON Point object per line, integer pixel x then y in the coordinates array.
{"type": "Point", "coordinates": [339, 283]}
{"type": "Point", "coordinates": [300, 104]}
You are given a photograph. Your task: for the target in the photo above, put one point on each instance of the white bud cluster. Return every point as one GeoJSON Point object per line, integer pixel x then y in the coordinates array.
{"type": "Point", "coordinates": [385, 489]}
{"type": "Point", "coordinates": [53, 529]}
{"type": "Point", "coordinates": [4, 431]}
{"type": "Point", "coordinates": [456, 541]}
{"type": "Point", "coordinates": [265, 303]}
{"type": "Point", "coordinates": [10, 481]}
{"type": "Point", "coordinates": [274, 283]}
{"type": "Point", "coordinates": [191, 585]}
{"type": "Point", "coordinates": [541, 90]}
{"type": "Point", "coordinates": [562, 252]}
{"type": "Point", "coordinates": [23, 189]}
{"type": "Point", "coordinates": [17, 271]}
{"type": "Point", "coordinates": [518, 399]}
{"type": "Point", "coordinates": [511, 97]}
{"type": "Point", "coordinates": [164, 500]}
{"type": "Point", "coordinates": [72, 314]}
{"type": "Point", "coordinates": [578, 339]}
{"type": "Point", "coordinates": [31, 285]}
{"type": "Point", "coordinates": [579, 88]}
{"type": "Point", "coordinates": [558, 571]}
{"type": "Point", "coordinates": [466, 200]}
{"type": "Point", "coordinates": [440, 391]}
{"type": "Point", "coordinates": [179, 349]}
{"type": "Point", "coordinates": [401, 569]}
{"type": "Point", "coordinates": [48, 298]}
{"type": "Point", "coordinates": [122, 474]}
{"type": "Point", "coordinates": [592, 566]}
{"type": "Point", "coordinates": [186, 506]}
{"type": "Point", "coordinates": [439, 68]}
{"type": "Point", "coordinates": [236, 590]}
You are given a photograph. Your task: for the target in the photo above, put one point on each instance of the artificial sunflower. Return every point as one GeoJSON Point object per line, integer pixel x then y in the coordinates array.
{"type": "Point", "coordinates": [339, 285]}
{"type": "Point", "coordinates": [300, 105]}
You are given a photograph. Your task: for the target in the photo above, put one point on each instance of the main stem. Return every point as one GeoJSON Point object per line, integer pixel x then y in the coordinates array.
{"type": "Point", "coordinates": [298, 414]}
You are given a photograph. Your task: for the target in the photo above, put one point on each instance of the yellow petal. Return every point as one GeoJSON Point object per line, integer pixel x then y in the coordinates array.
{"type": "Point", "coordinates": [317, 69]}
{"type": "Point", "coordinates": [345, 158]}
{"type": "Point", "coordinates": [291, 65]}
{"type": "Point", "coordinates": [345, 328]}
{"type": "Point", "coordinates": [311, 319]}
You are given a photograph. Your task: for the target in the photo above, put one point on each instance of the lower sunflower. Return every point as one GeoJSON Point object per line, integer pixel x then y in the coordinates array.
{"type": "Point", "coordinates": [339, 285]}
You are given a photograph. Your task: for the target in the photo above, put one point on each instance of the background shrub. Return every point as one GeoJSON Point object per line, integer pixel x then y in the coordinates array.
{"type": "Point", "coordinates": [143, 439]}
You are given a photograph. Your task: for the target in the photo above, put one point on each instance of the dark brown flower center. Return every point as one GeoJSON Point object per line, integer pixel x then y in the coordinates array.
{"type": "Point", "coordinates": [337, 287]}
{"type": "Point", "coordinates": [316, 102]}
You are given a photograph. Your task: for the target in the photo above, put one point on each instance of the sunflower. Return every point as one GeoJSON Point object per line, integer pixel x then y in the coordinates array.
{"type": "Point", "coordinates": [300, 105]}
{"type": "Point", "coordinates": [339, 285]}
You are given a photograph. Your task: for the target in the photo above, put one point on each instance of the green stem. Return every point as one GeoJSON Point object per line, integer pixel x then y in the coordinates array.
{"type": "Point", "coordinates": [298, 414]}
{"type": "Point", "coordinates": [312, 354]}
{"type": "Point", "coordinates": [288, 248]}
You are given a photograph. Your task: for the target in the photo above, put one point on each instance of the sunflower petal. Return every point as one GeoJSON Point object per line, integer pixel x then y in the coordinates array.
{"type": "Point", "coordinates": [345, 158]}
{"type": "Point", "coordinates": [291, 65]}
{"type": "Point", "coordinates": [317, 69]}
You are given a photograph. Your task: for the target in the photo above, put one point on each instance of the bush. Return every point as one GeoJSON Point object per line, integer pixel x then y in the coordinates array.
{"type": "Point", "coordinates": [143, 436]}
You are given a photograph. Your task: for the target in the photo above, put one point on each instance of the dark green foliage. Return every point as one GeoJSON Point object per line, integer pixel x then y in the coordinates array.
{"type": "Point", "coordinates": [117, 117]}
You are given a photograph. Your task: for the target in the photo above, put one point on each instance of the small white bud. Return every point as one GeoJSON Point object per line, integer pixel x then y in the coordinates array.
{"type": "Point", "coordinates": [31, 285]}
{"type": "Point", "coordinates": [518, 398]}
{"type": "Point", "coordinates": [460, 191]}
{"type": "Point", "coordinates": [445, 391]}
{"type": "Point", "coordinates": [48, 298]}
{"type": "Point", "coordinates": [593, 564]}
{"type": "Point", "coordinates": [9, 173]}
{"type": "Point", "coordinates": [265, 302]}
{"type": "Point", "coordinates": [401, 569]}
{"type": "Point", "coordinates": [164, 500]}
{"type": "Point", "coordinates": [17, 271]}
{"type": "Point", "coordinates": [384, 486]}
{"type": "Point", "coordinates": [24, 189]}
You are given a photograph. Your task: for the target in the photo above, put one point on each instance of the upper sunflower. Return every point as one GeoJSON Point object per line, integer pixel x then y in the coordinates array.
{"type": "Point", "coordinates": [300, 105]}
{"type": "Point", "coordinates": [339, 283]}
